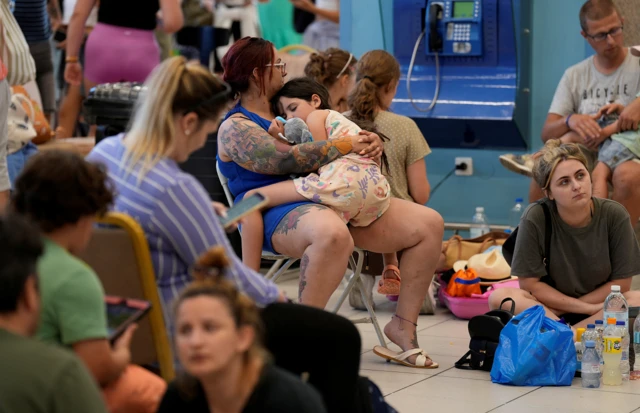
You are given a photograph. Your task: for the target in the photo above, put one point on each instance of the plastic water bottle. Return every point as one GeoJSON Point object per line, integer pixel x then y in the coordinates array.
{"type": "Point", "coordinates": [615, 306]}
{"type": "Point", "coordinates": [590, 366]}
{"type": "Point", "coordinates": [515, 214]}
{"type": "Point", "coordinates": [599, 341]}
{"type": "Point", "coordinates": [635, 374]}
{"type": "Point", "coordinates": [611, 375]}
{"type": "Point", "coordinates": [624, 360]}
{"type": "Point", "coordinates": [480, 225]}
{"type": "Point", "coordinates": [590, 334]}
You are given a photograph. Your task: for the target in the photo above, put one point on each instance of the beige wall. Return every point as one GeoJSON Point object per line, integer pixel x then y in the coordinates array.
{"type": "Point", "coordinates": [631, 13]}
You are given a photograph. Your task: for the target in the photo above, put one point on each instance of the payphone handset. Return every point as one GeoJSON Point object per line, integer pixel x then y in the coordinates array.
{"type": "Point", "coordinates": [454, 27]}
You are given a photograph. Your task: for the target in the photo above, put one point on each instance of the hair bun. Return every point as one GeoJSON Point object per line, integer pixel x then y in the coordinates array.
{"type": "Point", "coordinates": [315, 69]}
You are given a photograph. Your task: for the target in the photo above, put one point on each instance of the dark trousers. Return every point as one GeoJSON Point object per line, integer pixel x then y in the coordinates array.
{"type": "Point", "coordinates": [307, 340]}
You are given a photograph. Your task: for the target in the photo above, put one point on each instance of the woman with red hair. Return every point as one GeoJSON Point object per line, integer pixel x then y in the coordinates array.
{"type": "Point", "coordinates": [250, 158]}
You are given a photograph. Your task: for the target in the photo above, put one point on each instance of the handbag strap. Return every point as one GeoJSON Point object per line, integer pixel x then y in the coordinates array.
{"type": "Point", "coordinates": [465, 362]}
{"type": "Point", "coordinates": [512, 310]}
{"type": "Point", "coordinates": [547, 237]}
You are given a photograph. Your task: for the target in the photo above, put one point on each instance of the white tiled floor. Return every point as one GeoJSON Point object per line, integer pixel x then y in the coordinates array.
{"type": "Point", "coordinates": [450, 390]}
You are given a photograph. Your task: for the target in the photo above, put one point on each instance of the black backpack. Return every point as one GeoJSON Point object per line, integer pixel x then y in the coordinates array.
{"type": "Point", "coordinates": [485, 335]}
{"type": "Point", "coordinates": [509, 245]}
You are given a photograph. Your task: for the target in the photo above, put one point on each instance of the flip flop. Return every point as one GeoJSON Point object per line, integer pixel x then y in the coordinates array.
{"type": "Point", "coordinates": [389, 286]}
{"type": "Point", "coordinates": [401, 358]}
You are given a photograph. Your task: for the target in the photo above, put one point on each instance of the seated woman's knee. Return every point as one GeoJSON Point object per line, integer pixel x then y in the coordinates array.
{"type": "Point", "coordinates": [432, 223]}
{"type": "Point", "coordinates": [496, 297]}
{"type": "Point", "coordinates": [334, 236]}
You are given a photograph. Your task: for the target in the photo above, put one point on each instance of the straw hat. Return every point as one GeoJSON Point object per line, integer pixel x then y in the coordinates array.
{"type": "Point", "coordinates": [491, 267]}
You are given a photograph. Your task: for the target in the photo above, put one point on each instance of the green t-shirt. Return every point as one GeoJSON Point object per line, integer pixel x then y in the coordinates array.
{"type": "Point", "coordinates": [72, 298]}
{"type": "Point", "coordinates": [41, 378]}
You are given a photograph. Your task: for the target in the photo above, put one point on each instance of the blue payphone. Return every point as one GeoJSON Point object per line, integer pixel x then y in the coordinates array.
{"type": "Point", "coordinates": [454, 27]}
{"type": "Point", "coordinates": [465, 78]}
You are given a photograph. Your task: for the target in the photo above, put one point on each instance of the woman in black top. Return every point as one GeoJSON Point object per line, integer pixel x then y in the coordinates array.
{"type": "Point", "coordinates": [218, 345]}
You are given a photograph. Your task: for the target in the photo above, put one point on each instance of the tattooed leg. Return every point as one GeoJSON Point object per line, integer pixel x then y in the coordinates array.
{"type": "Point", "coordinates": [304, 263]}
{"type": "Point", "coordinates": [319, 236]}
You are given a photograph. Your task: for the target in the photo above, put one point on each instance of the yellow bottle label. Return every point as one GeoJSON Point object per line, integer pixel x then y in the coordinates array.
{"type": "Point", "coordinates": [612, 345]}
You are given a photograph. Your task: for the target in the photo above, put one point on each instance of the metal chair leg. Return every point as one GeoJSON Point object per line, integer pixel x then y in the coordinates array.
{"type": "Point", "coordinates": [284, 268]}
{"type": "Point", "coordinates": [276, 265]}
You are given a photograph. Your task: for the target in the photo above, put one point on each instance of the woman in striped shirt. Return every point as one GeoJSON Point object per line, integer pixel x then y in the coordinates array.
{"type": "Point", "coordinates": [181, 107]}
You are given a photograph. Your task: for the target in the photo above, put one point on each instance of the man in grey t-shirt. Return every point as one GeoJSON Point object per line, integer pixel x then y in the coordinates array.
{"type": "Point", "coordinates": [611, 75]}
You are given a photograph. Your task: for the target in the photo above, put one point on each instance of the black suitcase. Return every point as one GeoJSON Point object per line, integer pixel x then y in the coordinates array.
{"type": "Point", "coordinates": [110, 105]}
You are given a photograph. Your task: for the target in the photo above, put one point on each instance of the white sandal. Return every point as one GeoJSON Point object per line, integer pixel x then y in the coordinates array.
{"type": "Point", "coordinates": [421, 360]}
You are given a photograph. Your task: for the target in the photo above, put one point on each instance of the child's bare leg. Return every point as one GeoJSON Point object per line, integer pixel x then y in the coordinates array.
{"type": "Point", "coordinates": [600, 179]}
{"type": "Point", "coordinates": [252, 236]}
{"type": "Point", "coordinates": [253, 225]}
{"type": "Point", "coordinates": [280, 193]}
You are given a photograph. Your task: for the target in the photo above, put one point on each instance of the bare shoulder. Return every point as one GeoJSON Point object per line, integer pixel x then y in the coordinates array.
{"type": "Point", "coordinates": [317, 116]}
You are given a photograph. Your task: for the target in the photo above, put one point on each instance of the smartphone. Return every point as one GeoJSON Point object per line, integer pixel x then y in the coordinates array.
{"type": "Point", "coordinates": [243, 208]}
{"type": "Point", "coordinates": [122, 312]}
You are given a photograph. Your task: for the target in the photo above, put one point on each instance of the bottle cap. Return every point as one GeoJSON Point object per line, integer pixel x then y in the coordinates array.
{"type": "Point", "coordinates": [598, 322]}
{"type": "Point", "coordinates": [579, 332]}
{"type": "Point", "coordinates": [620, 323]}
{"type": "Point", "coordinates": [481, 209]}
{"type": "Point", "coordinates": [519, 200]}
{"type": "Point", "coordinates": [615, 288]}
{"type": "Point", "coordinates": [591, 326]}
{"type": "Point", "coordinates": [590, 344]}
{"type": "Point", "coordinates": [611, 320]}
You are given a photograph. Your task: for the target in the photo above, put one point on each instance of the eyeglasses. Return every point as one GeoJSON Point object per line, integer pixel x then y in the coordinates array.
{"type": "Point", "coordinates": [616, 31]}
{"type": "Point", "coordinates": [281, 65]}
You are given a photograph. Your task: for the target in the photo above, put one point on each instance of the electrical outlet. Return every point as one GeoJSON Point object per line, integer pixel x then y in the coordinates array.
{"type": "Point", "coordinates": [464, 166]}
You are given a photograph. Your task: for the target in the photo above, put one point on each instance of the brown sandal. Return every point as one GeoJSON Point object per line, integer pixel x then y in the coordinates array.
{"type": "Point", "coordinates": [389, 286]}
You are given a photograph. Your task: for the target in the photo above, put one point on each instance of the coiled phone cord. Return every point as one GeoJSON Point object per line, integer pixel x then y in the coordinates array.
{"type": "Point", "coordinates": [411, 64]}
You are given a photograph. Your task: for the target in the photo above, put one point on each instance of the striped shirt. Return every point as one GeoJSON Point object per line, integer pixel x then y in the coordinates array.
{"type": "Point", "coordinates": [33, 19]}
{"type": "Point", "coordinates": [179, 222]}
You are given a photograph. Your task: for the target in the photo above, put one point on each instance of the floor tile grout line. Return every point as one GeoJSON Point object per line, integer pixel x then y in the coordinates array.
{"type": "Point", "coordinates": [513, 400]}
{"type": "Point", "coordinates": [406, 387]}
{"type": "Point", "coordinates": [606, 391]}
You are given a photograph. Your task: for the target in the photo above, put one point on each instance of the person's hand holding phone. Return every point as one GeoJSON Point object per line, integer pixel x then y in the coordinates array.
{"type": "Point", "coordinates": [221, 210]}
{"type": "Point", "coordinates": [122, 346]}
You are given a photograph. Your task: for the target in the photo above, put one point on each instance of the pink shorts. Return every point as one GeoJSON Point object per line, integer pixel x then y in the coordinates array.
{"type": "Point", "coordinates": [120, 54]}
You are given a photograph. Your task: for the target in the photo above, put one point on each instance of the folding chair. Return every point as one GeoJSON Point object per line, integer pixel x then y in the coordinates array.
{"type": "Point", "coordinates": [356, 278]}
{"type": "Point", "coordinates": [118, 252]}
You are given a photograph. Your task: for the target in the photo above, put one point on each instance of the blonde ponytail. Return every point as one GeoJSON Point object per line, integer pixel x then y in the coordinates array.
{"type": "Point", "coordinates": [175, 86]}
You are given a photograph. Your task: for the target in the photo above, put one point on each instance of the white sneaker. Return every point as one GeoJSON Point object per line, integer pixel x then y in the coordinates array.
{"type": "Point", "coordinates": [520, 164]}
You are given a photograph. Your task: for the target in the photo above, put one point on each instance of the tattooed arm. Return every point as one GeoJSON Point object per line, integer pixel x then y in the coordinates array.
{"type": "Point", "coordinates": [254, 149]}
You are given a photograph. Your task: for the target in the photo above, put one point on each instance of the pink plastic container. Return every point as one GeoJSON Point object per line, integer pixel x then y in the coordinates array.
{"type": "Point", "coordinates": [464, 307]}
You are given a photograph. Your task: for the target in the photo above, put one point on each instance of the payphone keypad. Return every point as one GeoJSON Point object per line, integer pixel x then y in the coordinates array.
{"type": "Point", "coordinates": [462, 32]}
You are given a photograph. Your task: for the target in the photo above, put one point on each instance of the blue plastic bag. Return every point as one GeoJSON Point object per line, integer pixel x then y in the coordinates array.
{"type": "Point", "coordinates": [535, 350]}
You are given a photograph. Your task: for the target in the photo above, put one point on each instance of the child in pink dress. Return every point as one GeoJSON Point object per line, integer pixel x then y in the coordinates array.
{"type": "Point", "coordinates": [352, 185]}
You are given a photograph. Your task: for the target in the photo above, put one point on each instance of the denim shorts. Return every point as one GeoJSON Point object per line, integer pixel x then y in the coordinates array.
{"type": "Point", "coordinates": [613, 153]}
